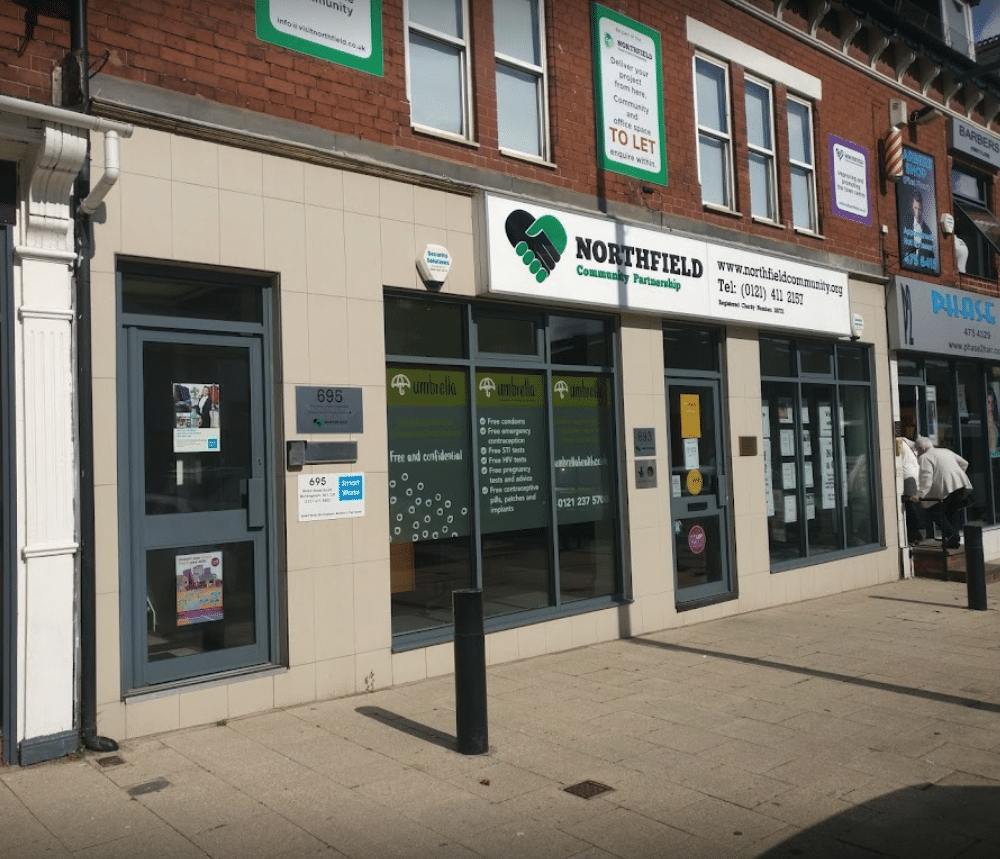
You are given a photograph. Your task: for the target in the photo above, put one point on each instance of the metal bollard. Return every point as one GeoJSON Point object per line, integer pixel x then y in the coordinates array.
{"type": "Point", "coordinates": [470, 672]}
{"type": "Point", "coordinates": [975, 567]}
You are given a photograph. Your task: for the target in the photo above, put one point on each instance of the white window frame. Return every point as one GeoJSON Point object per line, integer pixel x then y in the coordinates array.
{"type": "Point", "coordinates": [464, 48]}
{"type": "Point", "coordinates": [541, 82]}
{"type": "Point", "coordinates": [726, 138]}
{"type": "Point", "coordinates": [809, 168]}
{"type": "Point", "coordinates": [769, 156]}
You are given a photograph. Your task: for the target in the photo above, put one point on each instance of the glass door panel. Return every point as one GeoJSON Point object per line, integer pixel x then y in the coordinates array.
{"type": "Point", "coordinates": [199, 504]}
{"type": "Point", "coordinates": [698, 490]}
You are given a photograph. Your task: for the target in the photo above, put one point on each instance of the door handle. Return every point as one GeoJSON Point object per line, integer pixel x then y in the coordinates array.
{"type": "Point", "coordinates": [701, 506]}
{"type": "Point", "coordinates": [255, 503]}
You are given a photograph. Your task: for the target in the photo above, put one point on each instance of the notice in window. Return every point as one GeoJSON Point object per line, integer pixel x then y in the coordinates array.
{"type": "Point", "coordinates": [511, 450]}
{"type": "Point", "coordinates": [628, 86]}
{"type": "Point", "coordinates": [197, 417]}
{"type": "Point", "coordinates": [583, 418]}
{"type": "Point", "coordinates": [347, 32]}
{"type": "Point", "coordinates": [428, 423]}
{"type": "Point", "coordinates": [199, 588]}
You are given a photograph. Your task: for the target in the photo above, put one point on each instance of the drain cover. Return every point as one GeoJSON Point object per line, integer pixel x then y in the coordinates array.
{"type": "Point", "coordinates": [587, 789]}
{"type": "Point", "coordinates": [111, 761]}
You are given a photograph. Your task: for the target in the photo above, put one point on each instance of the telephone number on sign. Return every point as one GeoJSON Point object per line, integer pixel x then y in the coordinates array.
{"type": "Point", "coordinates": [584, 500]}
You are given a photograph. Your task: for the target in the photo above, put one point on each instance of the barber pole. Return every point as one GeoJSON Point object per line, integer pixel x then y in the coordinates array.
{"type": "Point", "coordinates": [894, 155]}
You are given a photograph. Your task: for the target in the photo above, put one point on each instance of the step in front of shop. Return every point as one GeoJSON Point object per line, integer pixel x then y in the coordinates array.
{"type": "Point", "coordinates": [931, 562]}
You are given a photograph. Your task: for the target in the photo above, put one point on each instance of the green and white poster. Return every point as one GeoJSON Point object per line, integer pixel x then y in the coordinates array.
{"type": "Point", "coordinates": [513, 469]}
{"type": "Point", "coordinates": [348, 32]}
{"type": "Point", "coordinates": [583, 418]}
{"type": "Point", "coordinates": [428, 422]}
{"type": "Point", "coordinates": [628, 86]}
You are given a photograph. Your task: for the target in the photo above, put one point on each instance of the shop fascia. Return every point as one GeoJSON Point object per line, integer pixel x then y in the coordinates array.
{"type": "Point", "coordinates": [537, 252]}
{"type": "Point", "coordinates": [927, 317]}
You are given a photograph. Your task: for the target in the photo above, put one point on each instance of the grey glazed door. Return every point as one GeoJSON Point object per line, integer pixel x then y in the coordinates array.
{"type": "Point", "coordinates": [199, 516]}
{"type": "Point", "coordinates": [699, 494]}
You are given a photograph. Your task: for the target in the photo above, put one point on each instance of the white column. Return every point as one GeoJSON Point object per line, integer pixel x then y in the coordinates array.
{"type": "Point", "coordinates": [46, 453]}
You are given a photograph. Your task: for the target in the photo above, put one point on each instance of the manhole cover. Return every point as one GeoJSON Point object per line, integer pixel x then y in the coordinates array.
{"type": "Point", "coordinates": [111, 761]}
{"type": "Point", "coordinates": [587, 789]}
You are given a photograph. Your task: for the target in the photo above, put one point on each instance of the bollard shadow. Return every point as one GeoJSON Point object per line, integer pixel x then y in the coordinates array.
{"type": "Point", "coordinates": [928, 820]}
{"type": "Point", "coordinates": [408, 726]}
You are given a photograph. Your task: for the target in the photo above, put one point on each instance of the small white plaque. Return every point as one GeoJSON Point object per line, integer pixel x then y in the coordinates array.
{"type": "Point", "coordinates": [331, 496]}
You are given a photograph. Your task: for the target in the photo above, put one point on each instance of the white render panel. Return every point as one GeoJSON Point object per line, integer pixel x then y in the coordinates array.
{"type": "Point", "coordinates": [48, 585]}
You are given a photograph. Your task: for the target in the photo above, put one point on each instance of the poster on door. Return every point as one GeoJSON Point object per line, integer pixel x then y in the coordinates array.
{"type": "Point", "coordinates": [196, 417]}
{"type": "Point", "coordinates": [199, 588]}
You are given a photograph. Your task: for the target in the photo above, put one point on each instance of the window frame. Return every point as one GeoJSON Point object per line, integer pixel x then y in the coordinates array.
{"type": "Point", "coordinates": [724, 137]}
{"type": "Point", "coordinates": [474, 361]}
{"type": "Point", "coordinates": [808, 168]}
{"type": "Point", "coordinates": [464, 46]}
{"type": "Point", "coordinates": [769, 155]}
{"type": "Point", "coordinates": [799, 379]}
{"type": "Point", "coordinates": [982, 249]}
{"type": "Point", "coordinates": [540, 73]}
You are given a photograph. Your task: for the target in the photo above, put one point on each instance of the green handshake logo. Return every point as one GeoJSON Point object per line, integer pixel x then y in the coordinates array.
{"type": "Point", "coordinates": [539, 243]}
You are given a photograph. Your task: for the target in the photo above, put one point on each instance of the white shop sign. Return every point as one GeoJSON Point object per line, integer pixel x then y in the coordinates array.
{"type": "Point", "coordinates": [542, 253]}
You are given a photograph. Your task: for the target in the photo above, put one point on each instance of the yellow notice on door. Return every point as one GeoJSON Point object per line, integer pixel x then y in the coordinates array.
{"type": "Point", "coordinates": [690, 416]}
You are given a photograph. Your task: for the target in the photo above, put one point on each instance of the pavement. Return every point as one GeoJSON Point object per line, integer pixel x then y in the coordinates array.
{"type": "Point", "coordinates": [865, 724]}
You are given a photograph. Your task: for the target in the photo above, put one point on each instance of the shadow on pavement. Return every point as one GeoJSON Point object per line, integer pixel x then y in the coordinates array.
{"type": "Point", "coordinates": [930, 821]}
{"type": "Point", "coordinates": [957, 604]}
{"type": "Point", "coordinates": [943, 697]}
{"type": "Point", "coordinates": [408, 726]}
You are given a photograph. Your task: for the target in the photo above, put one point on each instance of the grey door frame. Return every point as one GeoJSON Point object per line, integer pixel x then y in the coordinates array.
{"type": "Point", "coordinates": [707, 504]}
{"type": "Point", "coordinates": [134, 330]}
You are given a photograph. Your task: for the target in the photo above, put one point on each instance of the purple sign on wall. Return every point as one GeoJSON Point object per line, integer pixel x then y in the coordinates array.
{"type": "Point", "coordinates": [849, 194]}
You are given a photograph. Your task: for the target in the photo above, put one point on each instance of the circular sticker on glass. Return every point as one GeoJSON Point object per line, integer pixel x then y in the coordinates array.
{"type": "Point", "coordinates": [696, 539]}
{"type": "Point", "coordinates": [694, 481]}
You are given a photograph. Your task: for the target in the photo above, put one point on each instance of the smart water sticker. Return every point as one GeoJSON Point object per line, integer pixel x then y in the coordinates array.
{"type": "Point", "coordinates": [199, 588]}
{"type": "Point", "coordinates": [697, 539]}
{"type": "Point", "coordinates": [331, 496]}
{"type": "Point", "coordinates": [196, 417]}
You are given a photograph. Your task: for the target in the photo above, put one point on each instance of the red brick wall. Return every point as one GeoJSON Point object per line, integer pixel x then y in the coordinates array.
{"type": "Point", "coordinates": [211, 51]}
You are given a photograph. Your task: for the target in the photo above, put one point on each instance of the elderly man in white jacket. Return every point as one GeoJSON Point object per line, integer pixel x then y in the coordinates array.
{"type": "Point", "coordinates": [943, 487]}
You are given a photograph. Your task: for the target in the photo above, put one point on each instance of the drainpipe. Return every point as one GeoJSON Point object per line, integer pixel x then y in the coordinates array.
{"type": "Point", "coordinates": [85, 398]}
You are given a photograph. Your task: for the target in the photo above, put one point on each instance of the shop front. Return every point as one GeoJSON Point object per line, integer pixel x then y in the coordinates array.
{"type": "Point", "coordinates": [947, 357]}
{"type": "Point", "coordinates": [765, 374]}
